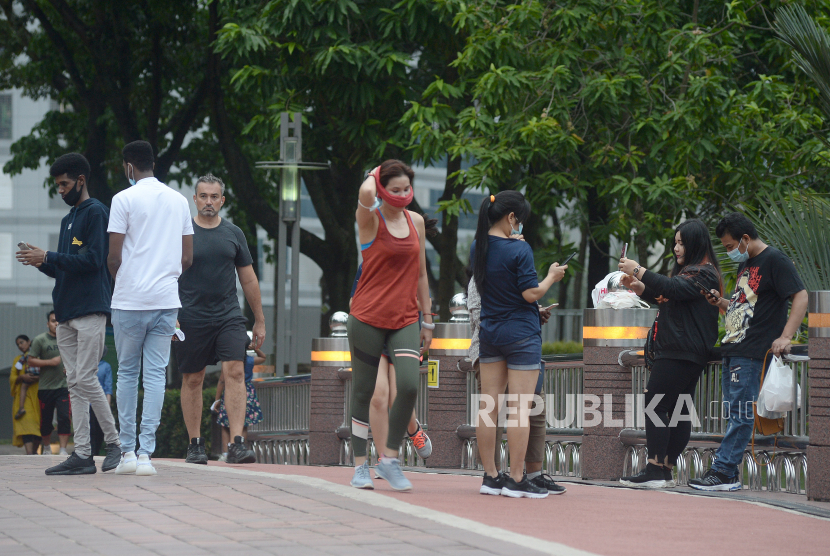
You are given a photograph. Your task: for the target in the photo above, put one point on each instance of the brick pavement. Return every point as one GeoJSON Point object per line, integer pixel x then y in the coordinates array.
{"type": "Point", "coordinates": [195, 510]}
{"type": "Point", "coordinates": [311, 510]}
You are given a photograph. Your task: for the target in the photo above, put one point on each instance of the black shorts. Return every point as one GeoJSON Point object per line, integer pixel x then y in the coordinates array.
{"type": "Point", "coordinates": [208, 344]}
{"type": "Point", "coordinates": [49, 401]}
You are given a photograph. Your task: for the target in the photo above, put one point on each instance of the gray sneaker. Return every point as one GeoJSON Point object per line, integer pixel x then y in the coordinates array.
{"type": "Point", "coordinates": [390, 469]}
{"type": "Point", "coordinates": [361, 477]}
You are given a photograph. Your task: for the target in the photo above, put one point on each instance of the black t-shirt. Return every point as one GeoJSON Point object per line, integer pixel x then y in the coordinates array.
{"type": "Point", "coordinates": [207, 289]}
{"type": "Point", "coordinates": [757, 312]}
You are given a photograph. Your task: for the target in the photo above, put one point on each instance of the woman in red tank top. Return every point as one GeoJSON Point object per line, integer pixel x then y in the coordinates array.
{"type": "Point", "coordinates": [385, 311]}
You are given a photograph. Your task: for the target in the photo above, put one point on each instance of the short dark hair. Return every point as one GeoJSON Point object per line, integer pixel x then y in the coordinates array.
{"type": "Point", "coordinates": [23, 337]}
{"type": "Point", "coordinates": [393, 168]}
{"type": "Point", "coordinates": [71, 164]}
{"type": "Point", "coordinates": [736, 225]}
{"type": "Point", "coordinates": [49, 314]}
{"type": "Point", "coordinates": [139, 154]}
{"type": "Point", "coordinates": [210, 178]}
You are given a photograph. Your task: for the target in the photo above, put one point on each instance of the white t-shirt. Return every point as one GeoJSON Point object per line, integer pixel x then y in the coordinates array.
{"type": "Point", "coordinates": [153, 219]}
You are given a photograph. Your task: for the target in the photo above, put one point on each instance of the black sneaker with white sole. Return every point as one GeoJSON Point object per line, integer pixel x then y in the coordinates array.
{"type": "Point", "coordinates": [196, 452]}
{"type": "Point", "coordinates": [238, 452]}
{"type": "Point", "coordinates": [74, 465]}
{"type": "Point", "coordinates": [524, 489]}
{"type": "Point", "coordinates": [652, 476]}
{"type": "Point", "coordinates": [546, 481]}
{"type": "Point", "coordinates": [715, 480]}
{"type": "Point", "coordinates": [492, 485]}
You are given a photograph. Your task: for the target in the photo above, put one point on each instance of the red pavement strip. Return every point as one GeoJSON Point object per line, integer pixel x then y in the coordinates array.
{"type": "Point", "coordinates": [597, 519]}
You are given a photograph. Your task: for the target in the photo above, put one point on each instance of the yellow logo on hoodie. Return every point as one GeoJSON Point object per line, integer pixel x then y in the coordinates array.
{"type": "Point", "coordinates": [76, 241]}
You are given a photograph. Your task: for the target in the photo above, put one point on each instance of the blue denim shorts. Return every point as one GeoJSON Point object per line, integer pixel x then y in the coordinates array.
{"type": "Point", "coordinates": [523, 355]}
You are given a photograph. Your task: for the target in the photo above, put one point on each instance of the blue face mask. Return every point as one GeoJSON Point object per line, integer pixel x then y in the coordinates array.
{"type": "Point", "coordinates": [130, 179]}
{"type": "Point", "coordinates": [736, 254]}
{"type": "Point", "coordinates": [516, 232]}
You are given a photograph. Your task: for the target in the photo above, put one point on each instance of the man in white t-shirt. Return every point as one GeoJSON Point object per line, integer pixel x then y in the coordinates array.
{"type": "Point", "coordinates": [151, 244]}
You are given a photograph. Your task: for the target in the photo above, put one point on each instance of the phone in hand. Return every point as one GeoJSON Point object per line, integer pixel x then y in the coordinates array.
{"type": "Point", "coordinates": [624, 251]}
{"type": "Point", "coordinates": [23, 246]}
{"type": "Point", "coordinates": [550, 306]}
{"type": "Point", "coordinates": [704, 288]}
{"type": "Point", "coordinates": [571, 256]}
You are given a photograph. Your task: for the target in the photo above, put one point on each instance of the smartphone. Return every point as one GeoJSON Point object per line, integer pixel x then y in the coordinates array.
{"type": "Point", "coordinates": [24, 246]}
{"type": "Point", "coordinates": [704, 288]}
{"type": "Point", "coordinates": [571, 256]}
{"type": "Point", "coordinates": [624, 251]}
{"type": "Point", "coordinates": [550, 306]}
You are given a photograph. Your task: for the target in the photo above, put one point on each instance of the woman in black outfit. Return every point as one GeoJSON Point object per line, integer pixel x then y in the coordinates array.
{"type": "Point", "coordinates": [685, 330]}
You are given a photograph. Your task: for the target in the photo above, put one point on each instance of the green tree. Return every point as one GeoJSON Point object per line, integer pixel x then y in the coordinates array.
{"type": "Point", "coordinates": [351, 68]}
{"type": "Point", "coordinates": [114, 70]}
{"type": "Point", "coordinates": [626, 115]}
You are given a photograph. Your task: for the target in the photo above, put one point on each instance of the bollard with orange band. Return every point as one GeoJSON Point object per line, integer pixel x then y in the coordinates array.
{"type": "Point", "coordinates": [616, 327]}
{"type": "Point", "coordinates": [330, 352]}
{"type": "Point", "coordinates": [818, 318]}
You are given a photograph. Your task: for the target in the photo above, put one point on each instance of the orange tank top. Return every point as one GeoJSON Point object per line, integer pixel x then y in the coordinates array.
{"type": "Point", "coordinates": [387, 293]}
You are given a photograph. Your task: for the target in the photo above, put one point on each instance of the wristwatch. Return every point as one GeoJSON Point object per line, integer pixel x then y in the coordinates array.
{"type": "Point", "coordinates": [637, 270]}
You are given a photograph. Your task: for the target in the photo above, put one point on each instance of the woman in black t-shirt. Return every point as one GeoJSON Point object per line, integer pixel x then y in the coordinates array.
{"type": "Point", "coordinates": [685, 330]}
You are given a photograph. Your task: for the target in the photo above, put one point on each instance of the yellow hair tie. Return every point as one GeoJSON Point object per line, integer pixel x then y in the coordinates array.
{"type": "Point", "coordinates": [492, 198]}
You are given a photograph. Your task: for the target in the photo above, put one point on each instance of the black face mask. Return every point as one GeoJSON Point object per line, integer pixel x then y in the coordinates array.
{"type": "Point", "coordinates": [71, 197]}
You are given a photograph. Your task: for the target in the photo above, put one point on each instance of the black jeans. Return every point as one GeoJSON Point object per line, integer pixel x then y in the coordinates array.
{"type": "Point", "coordinates": [672, 378]}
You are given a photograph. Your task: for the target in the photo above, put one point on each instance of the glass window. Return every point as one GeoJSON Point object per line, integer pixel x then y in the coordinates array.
{"type": "Point", "coordinates": [5, 116]}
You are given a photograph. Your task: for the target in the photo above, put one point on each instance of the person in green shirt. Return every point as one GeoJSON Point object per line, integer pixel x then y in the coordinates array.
{"type": "Point", "coordinates": [52, 389]}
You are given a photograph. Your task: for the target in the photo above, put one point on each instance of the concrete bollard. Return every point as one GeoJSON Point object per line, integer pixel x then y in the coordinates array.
{"type": "Point", "coordinates": [448, 402]}
{"type": "Point", "coordinates": [605, 333]}
{"type": "Point", "coordinates": [818, 451]}
{"type": "Point", "coordinates": [328, 355]}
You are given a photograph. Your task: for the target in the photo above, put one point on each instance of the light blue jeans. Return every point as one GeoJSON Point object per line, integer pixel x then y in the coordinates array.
{"type": "Point", "coordinates": [741, 382]}
{"type": "Point", "coordinates": [150, 333]}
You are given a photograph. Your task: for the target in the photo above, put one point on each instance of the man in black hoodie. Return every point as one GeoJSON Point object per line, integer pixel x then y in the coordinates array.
{"type": "Point", "coordinates": [82, 302]}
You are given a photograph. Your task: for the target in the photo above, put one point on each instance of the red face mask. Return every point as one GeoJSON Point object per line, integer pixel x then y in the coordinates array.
{"type": "Point", "coordinates": [397, 201]}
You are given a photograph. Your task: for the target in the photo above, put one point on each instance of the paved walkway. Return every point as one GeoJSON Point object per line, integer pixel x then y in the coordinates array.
{"type": "Point", "coordinates": [292, 510]}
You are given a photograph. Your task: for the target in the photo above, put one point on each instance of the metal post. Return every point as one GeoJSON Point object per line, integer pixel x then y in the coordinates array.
{"type": "Point", "coordinates": [279, 303]}
{"type": "Point", "coordinates": [295, 297]}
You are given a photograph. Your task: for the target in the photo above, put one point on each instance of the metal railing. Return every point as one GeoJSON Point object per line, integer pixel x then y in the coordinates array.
{"type": "Point", "coordinates": [406, 452]}
{"type": "Point", "coordinates": [282, 435]}
{"type": "Point", "coordinates": [565, 325]}
{"type": "Point", "coordinates": [774, 471]}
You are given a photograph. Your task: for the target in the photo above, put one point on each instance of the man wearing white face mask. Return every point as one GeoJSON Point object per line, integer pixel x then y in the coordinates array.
{"type": "Point", "coordinates": [150, 245]}
{"type": "Point", "coordinates": [756, 323]}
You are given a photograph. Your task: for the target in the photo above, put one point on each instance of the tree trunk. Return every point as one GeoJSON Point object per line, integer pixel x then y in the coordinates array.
{"type": "Point", "coordinates": [599, 245]}
{"type": "Point", "coordinates": [449, 230]}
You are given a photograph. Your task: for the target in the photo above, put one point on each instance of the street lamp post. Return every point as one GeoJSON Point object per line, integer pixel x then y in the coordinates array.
{"type": "Point", "coordinates": [287, 320]}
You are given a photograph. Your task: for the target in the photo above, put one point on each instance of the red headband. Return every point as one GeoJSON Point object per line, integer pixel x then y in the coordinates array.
{"type": "Point", "coordinates": [394, 200]}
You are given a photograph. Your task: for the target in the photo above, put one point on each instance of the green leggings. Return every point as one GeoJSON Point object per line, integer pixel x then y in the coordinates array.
{"type": "Point", "coordinates": [366, 343]}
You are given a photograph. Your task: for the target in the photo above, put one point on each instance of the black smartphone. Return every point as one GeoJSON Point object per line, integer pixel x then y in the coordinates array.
{"type": "Point", "coordinates": [704, 288]}
{"type": "Point", "coordinates": [572, 255]}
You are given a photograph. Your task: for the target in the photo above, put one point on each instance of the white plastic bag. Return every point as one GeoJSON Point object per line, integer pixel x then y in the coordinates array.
{"type": "Point", "coordinates": [600, 291]}
{"type": "Point", "coordinates": [777, 389]}
{"type": "Point", "coordinates": [622, 300]}
{"type": "Point", "coordinates": [761, 409]}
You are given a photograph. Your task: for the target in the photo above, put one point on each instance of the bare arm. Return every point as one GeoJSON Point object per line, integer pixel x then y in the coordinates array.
{"type": "Point", "coordinates": [555, 273]}
{"type": "Point", "coordinates": [250, 286]}
{"type": "Point", "coordinates": [423, 283]}
{"type": "Point", "coordinates": [34, 362]}
{"type": "Point", "coordinates": [114, 257]}
{"type": "Point", "coordinates": [187, 252]}
{"type": "Point", "coordinates": [797, 312]}
{"type": "Point", "coordinates": [367, 221]}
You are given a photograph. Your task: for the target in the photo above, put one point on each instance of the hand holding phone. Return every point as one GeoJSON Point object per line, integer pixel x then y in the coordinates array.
{"type": "Point", "coordinates": [707, 291]}
{"type": "Point", "coordinates": [571, 256]}
{"type": "Point", "coordinates": [549, 307]}
{"type": "Point", "coordinates": [23, 246]}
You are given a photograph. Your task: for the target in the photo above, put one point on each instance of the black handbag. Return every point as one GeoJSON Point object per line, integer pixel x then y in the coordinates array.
{"type": "Point", "coordinates": [651, 341]}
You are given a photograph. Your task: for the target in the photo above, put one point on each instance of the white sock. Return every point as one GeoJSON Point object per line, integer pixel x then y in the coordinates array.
{"type": "Point", "coordinates": [531, 476]}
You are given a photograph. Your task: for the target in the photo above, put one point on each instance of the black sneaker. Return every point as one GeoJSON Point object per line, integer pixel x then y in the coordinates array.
{"type": "Point", "coordinates": [239, 453]}
{"type": "Point", "coordinates": [74, 465]}
{"type": "Point", "coordinates": [113, 457]}
{"type": "Point", "coordinates": [492, 485]}
{"type": "Point", "coordinates": [715, 480]}
{"type": "Point", "coordinates": [196, 452]}
{"type": "Point", "coordinates": [650, 477]}
{"type": "Point", "coordinates": [545, 481]}
{"type": "Point", "coordinates": [669, 477]}
{"type": "Point", "coordinates": [525, 489]}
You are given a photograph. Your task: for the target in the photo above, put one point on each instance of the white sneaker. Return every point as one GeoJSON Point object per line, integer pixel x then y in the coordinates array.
{"type": "Point", "coordinates": [144, 468]}
{"type": "Point", "coordinates": [47, 451]}
{"type": "Point", "coordinates": [63, 452]}
{"type": "Point", "coordinates": [127, 464]}
{"type": "Point", "coordinates": [223, 457]}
